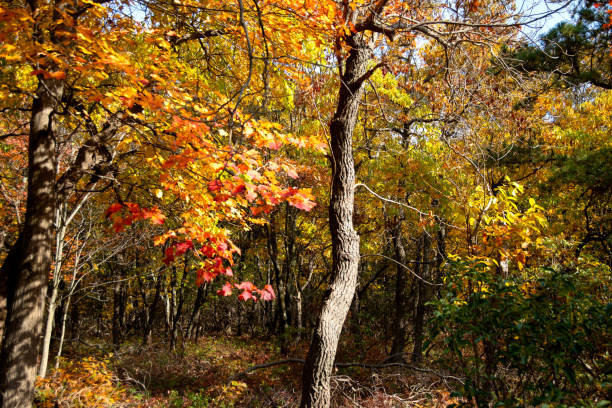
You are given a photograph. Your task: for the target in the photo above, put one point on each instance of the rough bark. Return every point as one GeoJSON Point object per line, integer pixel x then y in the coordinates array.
{"type": "Point", "coordinates": [28, 263]}
{"type": "Point", "coordinates": [345, 241]}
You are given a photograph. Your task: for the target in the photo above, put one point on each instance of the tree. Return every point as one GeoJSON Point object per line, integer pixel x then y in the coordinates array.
{"type": "Point", "coordinates": [573, 52]}
{"type": "Point", "coordinates": [383, 29]}
{"type": "Point", "coordinates": [92, 90]}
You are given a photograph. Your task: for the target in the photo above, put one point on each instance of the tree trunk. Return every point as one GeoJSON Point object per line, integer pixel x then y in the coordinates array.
{"type": "Point", "coordinates": [57, 270]}
{"type": "Point", "coordinates": [281, 311]}
{"type": "Point", "coordinates": [150, 316]}
{"type": "Point", "coordinates": [345, 241]}
{"type": "Point", "coordinates": [399, 318]}
{"type": "Point", "coordinates": [178, 299]}
{"type": "Point", "coordinates": [46, 344]}
{"type": "Point", "coordinates": [60, 344]}
{"type": "Point", "coordinates": [28, 263]}
{"type": "Point", "coordinates": [423, 290]}
{"type": "Point", "coordinates": [195, 313]}
{"type": "Point", "coordinates": [118, 304]}
{"type": "Point", "coordinates": [3, 295]}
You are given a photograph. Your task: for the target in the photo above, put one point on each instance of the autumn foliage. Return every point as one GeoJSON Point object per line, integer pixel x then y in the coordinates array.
{"type": "Point", "coordinates": [208, 170]}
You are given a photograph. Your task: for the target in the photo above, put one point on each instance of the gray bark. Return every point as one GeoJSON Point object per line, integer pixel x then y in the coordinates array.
{"type": "Point", "coordinates": [345, 241]}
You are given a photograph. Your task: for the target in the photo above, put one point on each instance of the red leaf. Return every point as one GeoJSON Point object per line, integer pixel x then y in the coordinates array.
{"type": "Point", "coordinates": [226, 290]}
{"type": "Point", "coordinates": [169, 256]}
{"type": "Point", "coordinates": [207, 251]}
{"type": "Point", "coordinates": [221, 198]}
{"type": "Point", "coordinates": [134, 209]}
{"type": "Point", "coordinates": [112, 209]}
{"type": "Point", "coordinates": [251, 195]}
{"type": "Point", "coordinates": [267, 293]}
{"type": "Point", "coordinates": [270, 289]}
{"type": "Point", "coordinates": [118, 226]}
{"type": "Point", "coordinates": [205, 275]}
{"type": "Point", "coordinates": [182, 247]}
{"type": "Point", "coordinates": [215, 185]}
{"type": "Point", "coordinates": [246, 295]}
{"type": "Point", "coordinates": [238, 189]}
{"type": "Point", "coordinates": [302, 203]}
{"type": "Point", "coordinates": [218, 267]}
{"type": "Point", "coordinates": [154, 215]}
{"type": "Point", "coordinates": [246, 286]}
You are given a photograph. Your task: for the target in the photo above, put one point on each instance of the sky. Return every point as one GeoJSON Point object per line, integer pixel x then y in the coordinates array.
{"type": "Point", "coordinates": [540, 8]}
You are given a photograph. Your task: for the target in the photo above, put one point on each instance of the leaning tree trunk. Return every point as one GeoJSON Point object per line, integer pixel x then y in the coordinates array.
{"type": "Point", "coordinates": [345, 241]}
{"type": "Point", "coordinates": [52, 304]}
{"type": "Point", "coordinates": [27, 265]}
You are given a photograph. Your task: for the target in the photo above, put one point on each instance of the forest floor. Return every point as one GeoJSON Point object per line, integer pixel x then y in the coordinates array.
{"type": "Point", "coordinates": [207, 374]}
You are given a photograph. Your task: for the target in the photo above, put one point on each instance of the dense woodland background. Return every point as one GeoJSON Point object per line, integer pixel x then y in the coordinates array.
{"type": "Point", "coordinates": [181, 183]}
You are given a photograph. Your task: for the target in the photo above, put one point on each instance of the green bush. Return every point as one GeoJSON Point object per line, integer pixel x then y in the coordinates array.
{"type": "Point", "coordinates": [527, 341]}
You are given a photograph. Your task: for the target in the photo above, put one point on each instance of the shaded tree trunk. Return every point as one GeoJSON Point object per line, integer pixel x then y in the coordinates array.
{"type": "Point", "coordinates": [345, 241]}
{"type": "Point", "coordinates": [151, 312]}
{"type": "Point", "coordinates": [195, 313]}
{"type": "Point", "coordinates": [178, 299]}
{"type": "Point", "coordinates": [423, 293]}
{"type": "Point", "coordinates": [400, 323]}
{"type": "Point", "coordinates": [27, 265]}
{"type": "Point", "coordinates": [119, 299]}
{"type": "Point", "coordinates": [281, 311]}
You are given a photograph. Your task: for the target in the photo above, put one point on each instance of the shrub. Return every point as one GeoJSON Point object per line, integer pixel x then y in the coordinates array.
{"type": "Point", "coordinates": [527, 340]}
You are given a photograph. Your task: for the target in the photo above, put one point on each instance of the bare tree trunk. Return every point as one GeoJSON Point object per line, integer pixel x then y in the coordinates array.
{"type": "Point", "coordinates": [178, 299]}
{"type": "Point", "coordinates": [27, 265]}
{"type": "Point", "coordinates": [118, 304]}
{"type": "Point", "coordinates": [60, 344]}
{"type": "Point", "coordinates": [290, 259]}
{"type": "Point", "coordinates": [423, 291]}
{"type": "Point", "coordinates": [152, 310]}
{"type": "Point", "coordinates": [399, 317]}
{"type": "Point", "coordinates": [57, 269]}
{"type": "Point", "coordinates": [281, 311]}
{"type": "Point", "coordinates": [195, 313]}
{"type": "Point", "coordinates": [74, 283]}
{"type": "Point", "coordinates": [345, 241]}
